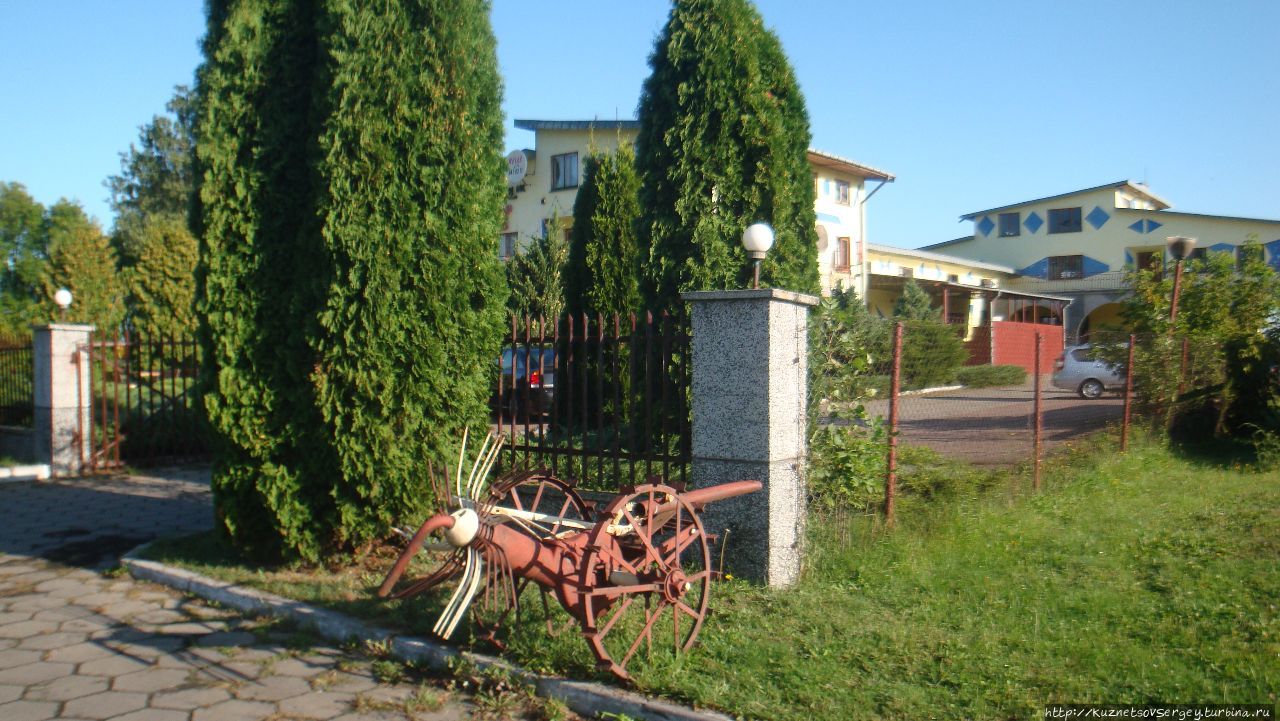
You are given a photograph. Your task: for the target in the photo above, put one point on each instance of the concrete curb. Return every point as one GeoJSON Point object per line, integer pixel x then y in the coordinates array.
{"type": "Point", "coordinates": [24, 474]}
{"type": "Point", "coordinates": [584, 697]}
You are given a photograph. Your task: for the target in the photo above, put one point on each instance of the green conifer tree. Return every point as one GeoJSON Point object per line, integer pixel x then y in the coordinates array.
{"type": "Point", "coordinates": [723, 143]}
{"type": "Point", "coordinates": [82, 260]}
{"type": "Point", "coordinates": [262, 275]}
{"type": "Point", "coordinates": [914, 303]}
{"type": "Point", "coordinates": [160, 281]}
{"type": "Point", "coordinates": [413, 178]}
{"type": "Point", "coordinates": [602, 274]}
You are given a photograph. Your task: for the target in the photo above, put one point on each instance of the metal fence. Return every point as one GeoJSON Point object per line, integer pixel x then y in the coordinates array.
{"type": "Point", "coordinates": [16, 386]}
{"type": "Point", "coordinates": [603, 400]}
{"type": "Point", "coordinates": [918, 402]}
{"type": "Point", "coordinates": [146, 409]}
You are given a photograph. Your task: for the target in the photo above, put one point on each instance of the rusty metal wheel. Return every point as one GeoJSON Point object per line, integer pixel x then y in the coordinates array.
{"type": "Point", "coordinates": [539, 495]}
{"type": "Point", "coordinates": [647, 577]}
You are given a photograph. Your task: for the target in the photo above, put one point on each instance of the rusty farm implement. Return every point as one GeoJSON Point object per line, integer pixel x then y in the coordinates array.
{"type": "Point", "coordinates": [633, 572]}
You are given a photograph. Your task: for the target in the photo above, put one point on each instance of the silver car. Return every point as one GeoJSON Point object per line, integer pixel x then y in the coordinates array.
{"type": "Point", "coordinates": [1081, 369]}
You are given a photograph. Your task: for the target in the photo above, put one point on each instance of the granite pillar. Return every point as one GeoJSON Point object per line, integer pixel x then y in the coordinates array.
{"type": "Point", "coordinates": [749, 398]}
{"type": "Point", "coordinates": [61, 423]}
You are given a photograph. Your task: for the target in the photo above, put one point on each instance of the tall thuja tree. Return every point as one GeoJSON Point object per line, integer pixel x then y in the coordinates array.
{"type": "Point", "coordinates": [262, 275]}
{"type": "Point", "coordinates": [413, 175]}
{"type": "Point", "coordinates": [603, 265]}
{"type": "Point", "coordinates": [82, 260]}
{"type": "Point", "coordinates": [723, 143]}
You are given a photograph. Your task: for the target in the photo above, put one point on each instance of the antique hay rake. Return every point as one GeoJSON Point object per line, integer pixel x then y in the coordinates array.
{"type": "Point", "coordinates": [636, 570]}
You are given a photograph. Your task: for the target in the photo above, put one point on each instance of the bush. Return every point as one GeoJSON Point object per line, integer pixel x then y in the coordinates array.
{"type": "Point", "coordinates": [985, 376]}
{"type": "Point", "coordinates": [932, 354]}
{"type": "Point", "coordinates": [847, 466]}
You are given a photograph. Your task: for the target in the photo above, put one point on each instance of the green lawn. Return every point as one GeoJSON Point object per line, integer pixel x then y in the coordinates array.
{"type": "Point", "coordinates": [1142, 578]}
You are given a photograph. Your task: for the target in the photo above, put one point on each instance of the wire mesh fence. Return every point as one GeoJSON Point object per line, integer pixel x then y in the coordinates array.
{"type": "Point", "coordinates": [898, 418]}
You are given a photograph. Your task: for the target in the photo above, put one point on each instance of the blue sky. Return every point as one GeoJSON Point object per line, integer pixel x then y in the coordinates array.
{"type": "Point", "coordinates": [970, 104]}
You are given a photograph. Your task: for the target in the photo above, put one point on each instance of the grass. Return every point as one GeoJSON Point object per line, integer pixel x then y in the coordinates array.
{"type": "Point", "coordinates": [1150, 577]}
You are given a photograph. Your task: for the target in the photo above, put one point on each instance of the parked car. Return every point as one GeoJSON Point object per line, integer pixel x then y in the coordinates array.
{"type": "Point", "coordinates": [1082, 369]}
{"type": "Point", "coordinates": [528, 379]}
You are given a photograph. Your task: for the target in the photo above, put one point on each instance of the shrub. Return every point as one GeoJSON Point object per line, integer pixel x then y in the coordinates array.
{"type": "Point", "coordinates": [932, 354]}
{"type": "Point", "coordinates": [985, 376]}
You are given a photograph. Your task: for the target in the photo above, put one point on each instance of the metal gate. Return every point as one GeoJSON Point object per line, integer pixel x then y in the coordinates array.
{"type": "Point", "coordinates": [146, 404]}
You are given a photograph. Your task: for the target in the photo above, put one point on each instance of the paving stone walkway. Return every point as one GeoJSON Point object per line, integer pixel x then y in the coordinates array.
{"type": "Point", "coordinates": [80, 643]}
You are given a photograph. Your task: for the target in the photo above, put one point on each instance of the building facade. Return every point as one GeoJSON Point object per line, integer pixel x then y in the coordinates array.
{"type": "Point", "coordinates": [542, 185]}
{"type": "Point", "coordinates": [1078, 245]}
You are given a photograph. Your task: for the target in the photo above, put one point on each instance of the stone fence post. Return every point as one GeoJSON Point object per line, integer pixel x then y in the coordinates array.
{"type": "Point", "coordinates": [62, 397]}
{"type": "Point", "coordinates": [749, 397]}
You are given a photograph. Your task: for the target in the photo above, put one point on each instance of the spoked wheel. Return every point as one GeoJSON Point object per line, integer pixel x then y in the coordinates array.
{"type": "Point", "coordinates": [648, 577]}
{"type": "Point", "coordinates": [541, 499]}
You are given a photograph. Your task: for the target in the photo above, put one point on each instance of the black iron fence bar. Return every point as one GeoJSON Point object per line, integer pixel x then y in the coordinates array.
{"type": "Point", "coordinates": [17, 392]}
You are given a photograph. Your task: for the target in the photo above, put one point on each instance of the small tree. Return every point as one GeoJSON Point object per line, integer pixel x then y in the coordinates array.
{"type": "Point", "coordinates": [536, 275]}
{"type": "Point", "coordinates": [161, 282]}
{"type": "Point", "coordinates": [1223, 309]}
{"type": "Point", "coordinates": [82, 260]}
{"type": "Point", "coordinates": [24, 245]}
{"type": "Point", "coordinates": [723, 143]}
{"type": "Point", "coordinates": [914, 303]}
{"type": "Point", "coordinates": [603, 258]}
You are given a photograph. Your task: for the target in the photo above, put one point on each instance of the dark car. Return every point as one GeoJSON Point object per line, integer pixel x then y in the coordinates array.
{"type": "Point", "coordinates": [528, 380]}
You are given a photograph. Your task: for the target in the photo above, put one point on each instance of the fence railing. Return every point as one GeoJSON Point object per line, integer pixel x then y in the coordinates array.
{"type": "Point", "coordinates": [17, 392]}
{"type": "Point", "coordinates": [146, 409]}
{"type": "Point", "coordinates": [603, 400]}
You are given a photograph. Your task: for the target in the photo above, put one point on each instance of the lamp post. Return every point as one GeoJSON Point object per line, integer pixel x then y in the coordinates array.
{"type": "Point", "coordinates": [757, 239]}
{"type": "Point", "coordinates": [62, 297]}
{"type": "Point", "coordinates": [1180, 247]}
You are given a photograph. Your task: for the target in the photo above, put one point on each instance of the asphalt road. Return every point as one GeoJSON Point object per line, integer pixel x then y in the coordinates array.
{"type": "Point", "coordinates": [993, 426]}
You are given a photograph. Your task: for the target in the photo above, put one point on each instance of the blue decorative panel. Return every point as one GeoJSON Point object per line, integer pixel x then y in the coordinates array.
{"type": "Point", "coordinates": [1128, 258]}
{"type": "Point", "coordinates": [826, 187]}
{"type": "Point", "coordinates": [1038, 269]}
{"type": "Point", "coordinates": [1097, 217]}
{"type": "Point", "coordinates": [829, 218]}
{"type": "Point", "coordinates": [1222, 248]}
{"type": "Point", "coordinates": [1033, 222]}
{"type": "Point", "coordinates": [1273, 253]}
{"type": "Point", "coordinates": [985, 225]}
{"type": "Point", "coordinates": [1094, 267]}
{"type": "Point", "coordinates": [1142, 226]}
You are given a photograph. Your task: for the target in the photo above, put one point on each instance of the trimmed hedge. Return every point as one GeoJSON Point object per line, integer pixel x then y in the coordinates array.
{"type": "Point", "coordinates": [986, 376]}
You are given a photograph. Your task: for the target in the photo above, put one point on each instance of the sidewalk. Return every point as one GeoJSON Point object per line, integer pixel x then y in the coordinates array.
{"type": "Point", "coordinates": [77, 644]}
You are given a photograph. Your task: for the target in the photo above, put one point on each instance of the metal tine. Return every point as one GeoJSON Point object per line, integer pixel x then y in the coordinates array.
{"type": "Point", "coordinates": [462, 458]}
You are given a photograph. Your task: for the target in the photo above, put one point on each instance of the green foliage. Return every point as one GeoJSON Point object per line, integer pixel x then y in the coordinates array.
{"type": "Point", "coordinates": [161, 280]}
{"type": "Point", "coordinates": [24, 243]}
{"type": "Point", "coordinates": [412, 204]}
{"type": "Point", "coordinates": [536, 275]}
{"type": "Point", "coordinates": [262, 275]}
{"type": "Point", "coordinates": [723, 143]}
{"type": "Point", "coordinates": [156, 176]}
{"type": "Point", "coordinates": [932, 354]}
{"type": "Point", "coordinates": [847, 466]}
{"type": "Point", "coordinates": [848, 350]}
{"type": "Point", "coordinates": [603, 260]}
{"type": "Point", "coordinates": [1223, 311]}
{"type": "Point", "coordinates": [82, 260]}
{"type": "Point", "coordinates": [914, 303]}
{"type": "Point", "coordinates": [986, 376]}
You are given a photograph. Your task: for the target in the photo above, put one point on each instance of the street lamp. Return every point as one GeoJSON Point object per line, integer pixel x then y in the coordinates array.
{"type": "Point", "coordinates": [62, 297]}
{"type": "Point", "coordinates": [1180, 247]}
{"type": "Point", "coordinates": [757, 239]}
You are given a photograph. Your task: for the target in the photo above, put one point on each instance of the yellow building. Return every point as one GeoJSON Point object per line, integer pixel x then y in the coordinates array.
{"type": "Point", "coordinates": [1078, 244]}
{"type": "Point", "coordinates": [543, 184]}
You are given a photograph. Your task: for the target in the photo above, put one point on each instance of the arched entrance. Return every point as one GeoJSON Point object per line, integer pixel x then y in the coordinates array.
{"type": "Point", "coordinates": [1106, 317]}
